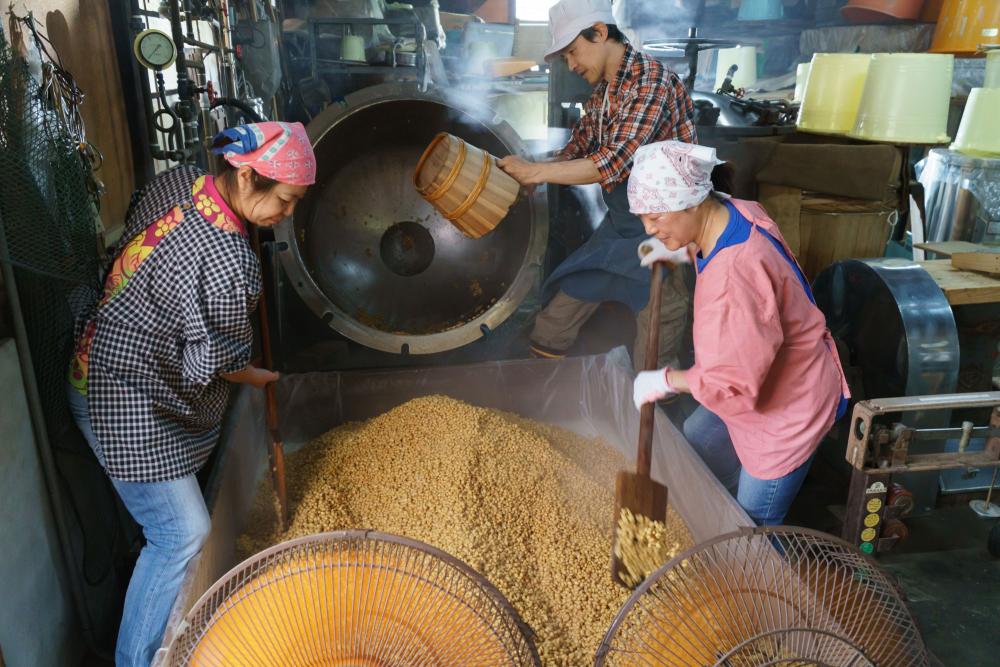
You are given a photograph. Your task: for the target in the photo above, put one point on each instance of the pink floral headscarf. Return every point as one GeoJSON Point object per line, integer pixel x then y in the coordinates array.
{"type": "Point", "coordinates": [280, 151]}
{"type": "Point", "coordinates": [670, 176]}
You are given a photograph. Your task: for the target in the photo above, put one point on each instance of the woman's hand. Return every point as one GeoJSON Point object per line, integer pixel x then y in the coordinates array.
{"type": "Point", "coordinates": [650, 386]}
{"type": "Point", "coordinates": [257, 377]}
{"type": "Point", "coordinates": [653, 250]}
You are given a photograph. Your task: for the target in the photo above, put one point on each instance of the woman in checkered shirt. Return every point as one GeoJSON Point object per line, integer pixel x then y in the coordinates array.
{"type": "Point", "coordinates": [158, 351]}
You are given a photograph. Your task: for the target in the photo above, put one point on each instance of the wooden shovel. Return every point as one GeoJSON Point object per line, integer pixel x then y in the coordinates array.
{"type": "Point", "coordinates": [636, 491]}
{"type": "Point", "coordinates": [276, 448]}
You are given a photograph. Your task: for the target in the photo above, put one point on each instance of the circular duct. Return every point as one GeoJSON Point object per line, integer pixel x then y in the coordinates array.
{"type": "Point", "coordinates": [374, 260]}
{"type": "Point", "coordinates": [896, 323]}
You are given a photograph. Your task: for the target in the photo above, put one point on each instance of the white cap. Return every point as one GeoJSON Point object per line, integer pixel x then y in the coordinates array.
{"type": "Point", "coordinates": [568, 18]}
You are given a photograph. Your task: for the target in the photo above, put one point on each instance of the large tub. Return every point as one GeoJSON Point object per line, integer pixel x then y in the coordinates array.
{"type": "Point", "coordinates": [589, 395]}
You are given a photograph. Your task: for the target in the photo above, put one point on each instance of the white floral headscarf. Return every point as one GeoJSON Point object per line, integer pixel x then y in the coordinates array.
{"type": "Point", "coordinates": [670, 176]}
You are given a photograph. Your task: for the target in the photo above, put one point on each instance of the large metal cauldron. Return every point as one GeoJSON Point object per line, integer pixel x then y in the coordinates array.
{"type": "Point", "coordinates": [377, 262]}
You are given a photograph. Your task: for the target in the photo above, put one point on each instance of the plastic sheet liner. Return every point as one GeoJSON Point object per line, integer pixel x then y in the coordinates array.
{"type": "Point", "coordinates": [948, 177]}
{"type": "Point", "coordinates": [589, 395]}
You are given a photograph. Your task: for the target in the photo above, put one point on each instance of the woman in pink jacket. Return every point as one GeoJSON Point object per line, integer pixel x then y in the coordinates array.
{"type": "Point", "coordinates": [766, 370]}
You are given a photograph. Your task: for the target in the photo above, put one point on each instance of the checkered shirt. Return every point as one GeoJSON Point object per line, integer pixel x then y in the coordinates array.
{"type": "Point", "coordinates": [160, 346]}
{"type": "Point", "coordinates": [646, 103]}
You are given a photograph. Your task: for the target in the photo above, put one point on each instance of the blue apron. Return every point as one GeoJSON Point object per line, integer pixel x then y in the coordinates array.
{"type": "Point", "coordinates": [606, 267]}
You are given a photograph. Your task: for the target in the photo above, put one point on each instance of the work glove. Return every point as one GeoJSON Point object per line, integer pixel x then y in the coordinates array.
{"type": "Point", "coordinates": [651, 386]}
{"type": "Point", "coordinates": [652, 250]}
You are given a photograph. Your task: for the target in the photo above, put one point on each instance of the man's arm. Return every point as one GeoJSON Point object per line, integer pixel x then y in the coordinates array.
{"type": "Point", "coordinates": [581, 171]}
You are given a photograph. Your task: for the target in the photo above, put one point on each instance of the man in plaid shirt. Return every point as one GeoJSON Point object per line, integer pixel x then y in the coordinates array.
{"type": "Point", "coordinates": [636, 101]}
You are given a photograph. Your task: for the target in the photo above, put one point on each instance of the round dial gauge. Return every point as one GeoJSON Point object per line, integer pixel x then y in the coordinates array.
{"type": "Point", "coordinates": [154, 49]}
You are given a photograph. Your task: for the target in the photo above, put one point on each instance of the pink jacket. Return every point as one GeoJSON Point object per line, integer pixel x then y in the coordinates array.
{"type": "Point", "coordinates": [765, 362]}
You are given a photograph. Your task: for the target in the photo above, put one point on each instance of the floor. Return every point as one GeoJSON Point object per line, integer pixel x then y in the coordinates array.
{"type": "Point", "coordinates": [950, 580]}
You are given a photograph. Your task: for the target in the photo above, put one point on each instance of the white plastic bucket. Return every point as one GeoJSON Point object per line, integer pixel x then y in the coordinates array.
{"type": "Point", "coordinates": [801, 75]}
{"type": "Point", "coordinates": [745, 57]}
{"type": "Point", "coordinates": [992, 70]}
{"type": "Point", "coordinates": [979, 133]}
{"type": "Point", "coordinates": [833, 92]}
{"type": "Point", "coordinates": [906, 99]}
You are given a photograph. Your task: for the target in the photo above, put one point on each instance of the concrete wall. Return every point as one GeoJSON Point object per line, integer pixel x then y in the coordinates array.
{"type": "Point", "coordinates": [38, 625]}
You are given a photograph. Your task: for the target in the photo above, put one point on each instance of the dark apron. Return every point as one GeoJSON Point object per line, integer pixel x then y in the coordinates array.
{"type": "Point", "coordinates": [606, 267]}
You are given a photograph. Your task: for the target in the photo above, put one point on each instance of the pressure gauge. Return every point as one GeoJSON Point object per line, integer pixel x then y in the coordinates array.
{"type": "Point", "coordinates": [154, 49]}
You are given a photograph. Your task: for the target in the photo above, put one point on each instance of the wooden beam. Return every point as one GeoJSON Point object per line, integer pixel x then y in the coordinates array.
{"type": "Point", "coordinates": [962, 287]}
{"type": "Point", "coordinates": [949, 248]}
{"type": "Point", "coordinates": [986, 262]}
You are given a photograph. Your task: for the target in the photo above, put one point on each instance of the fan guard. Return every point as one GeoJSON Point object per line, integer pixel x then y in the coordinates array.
{"type": "Point", "coordinates": [352, 599]}
{"type": "Point", "coordinates": [766, 596]}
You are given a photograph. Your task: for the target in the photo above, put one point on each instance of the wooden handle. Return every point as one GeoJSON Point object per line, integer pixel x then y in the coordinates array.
{"type": "Point", "coordinates": [644, 457]}
{"type": "Point", "coordinates": [276, 448]}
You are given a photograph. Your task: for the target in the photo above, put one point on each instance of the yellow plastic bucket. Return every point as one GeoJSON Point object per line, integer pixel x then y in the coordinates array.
{"type": "Point", "coordinates": [992, 70]}
{"type": "Point", "coordinates": [906, 99]}
{"type": "Point", "coordinates": [833, 92]}
{"type": "Point", "coordinates": [979, 134]}
{"type": "Point", "coordinates": [801, 74]}
{"type": "Point", "coordinates": [964, 26]}
{"type": "Point", "coordinates": [745, 57]}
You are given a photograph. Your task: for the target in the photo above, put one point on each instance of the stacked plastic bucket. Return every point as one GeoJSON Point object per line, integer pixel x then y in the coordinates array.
{"type": "Point", "coordinates": [892, 97]}
{"type": "Point", "coordinates": [979, 133]}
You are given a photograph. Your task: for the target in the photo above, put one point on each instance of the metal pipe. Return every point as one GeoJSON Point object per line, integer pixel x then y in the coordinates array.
{"type": "Point", "coordinates": [239, 104]}
{"type": "Point", "coordinates": [202, 45]}
{"type": "Point", "coordinates": [185, 87]}
{"type": "Point", "coordinates": [966, 434]}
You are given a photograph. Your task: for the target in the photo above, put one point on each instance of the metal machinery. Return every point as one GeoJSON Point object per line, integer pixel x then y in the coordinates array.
{"type": "Point", "coordinates": [376, 263]}
{"type": "Point", "coordinates": [879, 451]}
{"type": "Point", "coordinates": [898, 336]}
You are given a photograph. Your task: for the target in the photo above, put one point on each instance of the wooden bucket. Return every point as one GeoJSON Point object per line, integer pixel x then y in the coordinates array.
{"type": "Point", "coordinates": [464, 184]}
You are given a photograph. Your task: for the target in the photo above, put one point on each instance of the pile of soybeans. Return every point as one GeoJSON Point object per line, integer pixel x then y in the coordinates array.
{"type": "Point", "coordinates": [527, 504]}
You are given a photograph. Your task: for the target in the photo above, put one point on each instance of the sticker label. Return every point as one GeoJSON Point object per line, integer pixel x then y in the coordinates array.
{"type": "Point", "coordinates": [991, 32]}
{"type": "Point", "coordinates": [874, 505]}
{"type": "Point", "coordinates": [877, 487]}
{"type": "Point", "coordinates": [868, 534]}
{"type": "Point", "coordinates": [871, 520]}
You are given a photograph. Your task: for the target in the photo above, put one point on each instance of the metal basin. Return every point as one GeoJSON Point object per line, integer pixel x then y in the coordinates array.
{"type": "Point", "coordinates": [378, 263]}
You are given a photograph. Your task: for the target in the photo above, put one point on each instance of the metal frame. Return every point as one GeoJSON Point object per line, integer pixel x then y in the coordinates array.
{"type": "Point", "coordinates": [876, 452]}
{"type": "Point", "coordinates": [342, 67]}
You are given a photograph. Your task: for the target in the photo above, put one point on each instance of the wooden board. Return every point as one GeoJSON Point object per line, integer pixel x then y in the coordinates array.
{"type": "Point", "coordinates": [986, 262]}
{"type": "Point", "coordinates": [962, 287]}
{"type": "Point", "coordinates": [949, 248]}
{"type": "Point", "coordinates": [81, 32]}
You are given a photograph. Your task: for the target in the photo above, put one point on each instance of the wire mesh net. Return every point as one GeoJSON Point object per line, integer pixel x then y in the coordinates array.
{"type": "Point", "coordinates": [353, 598]}
{"type": "Point", "coordinates": [49, 238]}
{"type": "Point", "coordinates": [766, 596]}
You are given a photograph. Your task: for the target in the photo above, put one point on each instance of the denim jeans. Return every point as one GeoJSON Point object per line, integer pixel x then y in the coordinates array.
{"type": "Point", "coordinates": [175, 523]}
{"type": "Point", "coordinates": [765, 500]}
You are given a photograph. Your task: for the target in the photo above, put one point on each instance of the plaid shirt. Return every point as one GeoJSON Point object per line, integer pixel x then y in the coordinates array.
{"type": "Point", "coordinates": [646, 103]}
{"type": "Point", "coordinates": [174, 317]}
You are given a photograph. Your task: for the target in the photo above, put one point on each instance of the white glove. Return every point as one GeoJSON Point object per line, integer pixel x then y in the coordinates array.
{"type": "Point", "coordinates": [652, 250]}
{"type": "Point", "coordinates": [651, 386]}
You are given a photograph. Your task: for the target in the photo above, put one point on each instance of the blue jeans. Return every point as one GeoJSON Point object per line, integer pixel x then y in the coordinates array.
{"type": "Point", "coordinates": [175, 523]}
{"type": "Point", "coordinates": [765, 500]}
